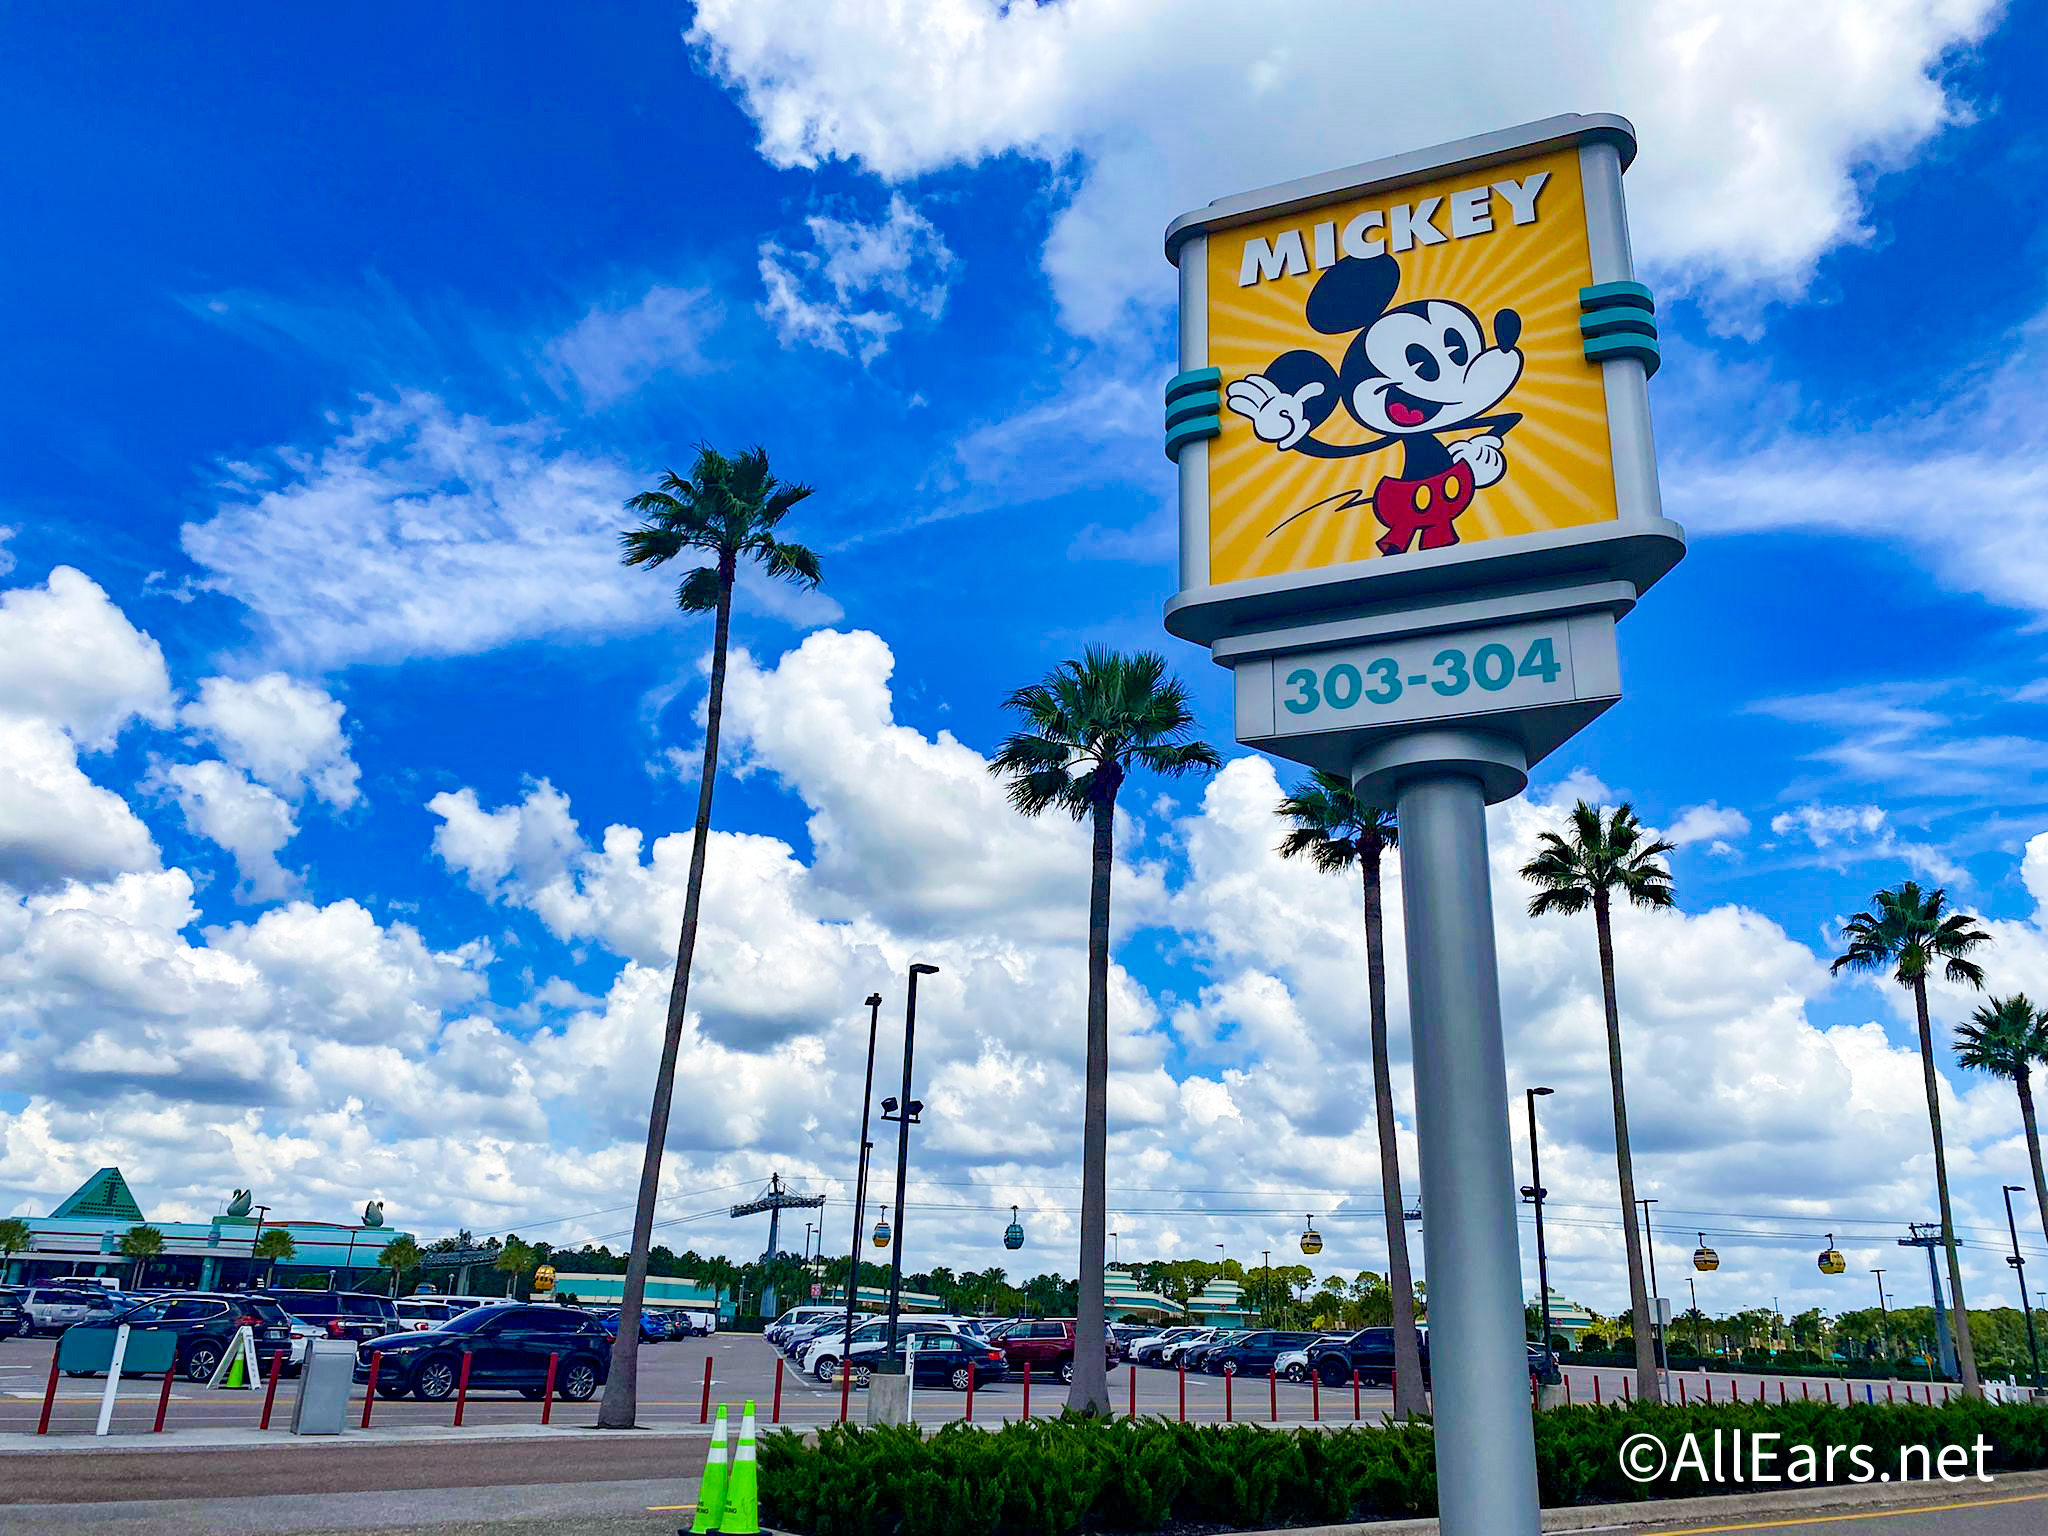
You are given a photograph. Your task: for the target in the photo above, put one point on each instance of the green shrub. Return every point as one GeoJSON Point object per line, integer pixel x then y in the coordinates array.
{"type": "Point", "coordinates": [1055, 1477]}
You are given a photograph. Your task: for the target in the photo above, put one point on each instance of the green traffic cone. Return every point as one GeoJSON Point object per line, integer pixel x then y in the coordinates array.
{"type": "Point", "coordinates": [711, 1497]}
{"type": "Point", "coordinates": [235, 1368]}
{"type": "Point", "coordinates": [742, 1515]}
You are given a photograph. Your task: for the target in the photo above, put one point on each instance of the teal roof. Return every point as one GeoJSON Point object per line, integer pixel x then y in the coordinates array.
{"type": "Point", "coordinates": [103, 1197]}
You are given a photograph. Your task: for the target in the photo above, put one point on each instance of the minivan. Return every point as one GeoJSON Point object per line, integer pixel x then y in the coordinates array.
{"type": "Point", "coordinates": [354, 1315]}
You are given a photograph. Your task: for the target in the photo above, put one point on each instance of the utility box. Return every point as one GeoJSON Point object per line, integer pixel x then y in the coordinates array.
{"type": "Point", "coordinates": [325, 1382]}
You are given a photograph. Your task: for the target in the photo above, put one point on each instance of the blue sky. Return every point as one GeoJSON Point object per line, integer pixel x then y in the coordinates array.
{"type": "Point", "coordinates": [335, 348]}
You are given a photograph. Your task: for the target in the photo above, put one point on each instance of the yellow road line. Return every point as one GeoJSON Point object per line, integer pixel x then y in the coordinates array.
{"type": "Point", "coordinates": [1875, 1514]}
{"type": "Point", "coordinates": [670, 1509]}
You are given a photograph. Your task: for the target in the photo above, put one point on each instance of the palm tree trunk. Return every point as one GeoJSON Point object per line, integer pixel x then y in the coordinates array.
{"type": "Point", "coordinates": [1966, 1352]}
{"type": "Point", "coordinates": [620, 1408]}
{"type": "Point", "coordinates": [1090, 1390]}
{"type": "Point", "coordinates": [2026, 1087]}
{"type": "Point", "coordinates": [1647, 1384]}
{"type": "Point", "coordinates": [1409, 1397]}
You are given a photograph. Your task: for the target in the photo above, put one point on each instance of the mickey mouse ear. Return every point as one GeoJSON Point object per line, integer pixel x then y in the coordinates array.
{"type": "Point", "coordinates": [1352, 294]}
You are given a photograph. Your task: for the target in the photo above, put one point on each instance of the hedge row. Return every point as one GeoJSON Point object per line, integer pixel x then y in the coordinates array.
{"type": "Point", "coordinates": [1053, 1477]}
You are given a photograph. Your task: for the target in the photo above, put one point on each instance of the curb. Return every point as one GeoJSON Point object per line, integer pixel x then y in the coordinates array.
{"type": "Point", "coordinates": [1675, 1513]}
{"type": "Point", "coordinates": [259, 1440]}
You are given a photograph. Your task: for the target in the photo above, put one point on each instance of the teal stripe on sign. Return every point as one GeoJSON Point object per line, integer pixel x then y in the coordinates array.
{"type": "Point", "coordinates": [1615, 322]}
{"type": "Point", "coordinates": [1187, 407]}
{"type": "Point", "coordinates": [1193, 380]}
{"type": "Point", "coordinates": [1642, 348]}
{"type": "Point", "coordinates": [1193, 431]}
{"type": "Point", "coordinates": [1617, 296]}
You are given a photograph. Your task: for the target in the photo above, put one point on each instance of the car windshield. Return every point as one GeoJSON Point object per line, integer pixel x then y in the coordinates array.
{"type": "Point", "coordinates": [471, 1321]}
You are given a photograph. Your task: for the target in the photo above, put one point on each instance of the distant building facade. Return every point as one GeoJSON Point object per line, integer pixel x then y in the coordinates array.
{"type": "Point", "coordinates": [82, 1236]}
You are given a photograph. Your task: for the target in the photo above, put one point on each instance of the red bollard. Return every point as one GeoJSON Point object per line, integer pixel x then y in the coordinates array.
{"type": "Point", "coordinates": [1354, 1395]}
{"type": "Point", "coordinates": [704, 1408]}
{"type": "Point", "coordinates": [547, 1393]}
{"type": "Point", "coordinates": [775, 1411]}
{"type": "Point", "coordinates": [1228, 1415]}
{"type": "Point", "coordinates": [270, 1390]}
{"type": "Point", "coordinates": [1681, 1392]}
{"type": "Point", "coordinates": [1890, 1401]}
{"type": "Point", "coordinates": [1829, 1388]}
{"type": "Point", "coordinates": [1568, 1389]}
{"type": "Point", "coordinates": [1183, 1394]}
{"type": "Point", "coordinates": [1027, 1389]}
{"type": "Point", "coordinates": [49, 1394]}
{"type": "Point", "coordinates": [1315, 1398]}
{"type": "Point", "coordinates": [163, 1399]}
{"type": "Point", "coordinates": [1273, 1388]}
{"type": "Point", "coordinates": [462, 1388]}
{"type": "Point", "coordinates": [1804, 1395]}
{"type": "Point", "coordinates": [970, 1390]}
{"type": "Point", "coordinates": [1134, 1391]}
{"type": "Point", "coordinates": [370, 1386]}
{"type": "Point", "coordinates": [1596, 1389]}
{"type": "Point", "coordinates": [1628, 1394]}
{"type": "Point", "coordinates": [845, 1390]}
{"type": "Point", "coordinates": [1710, 1387]}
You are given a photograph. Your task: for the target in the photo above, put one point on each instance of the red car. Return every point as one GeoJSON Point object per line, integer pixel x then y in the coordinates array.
{"type": "Point", "coordinates": [1046, 1345]}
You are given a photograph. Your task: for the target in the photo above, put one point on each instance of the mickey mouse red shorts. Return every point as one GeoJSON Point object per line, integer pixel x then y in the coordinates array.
{"type": "Point", "coordinates": [1421, 509]}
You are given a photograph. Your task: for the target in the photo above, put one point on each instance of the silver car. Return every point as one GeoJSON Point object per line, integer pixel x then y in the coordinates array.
{"type": "Point", "coordinates": [52, 1308]}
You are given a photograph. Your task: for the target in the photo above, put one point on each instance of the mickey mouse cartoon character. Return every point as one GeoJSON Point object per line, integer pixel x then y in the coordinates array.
{"type": "Point", "coordinates": [1410, 374]}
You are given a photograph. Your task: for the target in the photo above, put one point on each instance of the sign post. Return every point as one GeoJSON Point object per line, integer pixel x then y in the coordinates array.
{"type": "Point", "coordinates": [1417, 491]}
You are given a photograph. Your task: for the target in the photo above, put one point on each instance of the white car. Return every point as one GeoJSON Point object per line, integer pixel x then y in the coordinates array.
{"type": "Point", "coordinates": [1293, 1365]}
{"type": "Point", "coordinates": [821, 1359]}
{"type": "Point", "coordinates": [53, 1308]}
{"type": "Point", "coordinates": [795, 1318]}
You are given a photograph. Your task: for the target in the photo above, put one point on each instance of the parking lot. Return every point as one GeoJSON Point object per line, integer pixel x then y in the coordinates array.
{"type": "Point", "coordinates": [743, 1366]}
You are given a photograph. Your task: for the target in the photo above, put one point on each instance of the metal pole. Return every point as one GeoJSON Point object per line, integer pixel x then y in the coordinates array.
{"type": "Point", "coordinates": [1536, 1193]}
{"type": "Point", "coordinates": [2019, 1266]}
{"type": "Point", "coordinates": [1656, 1323]}
{"type": "Point", "coordinates": [1265, 1287]}
{"type": "Point", "coordinates": [860, 1183]}
{"type": "Point", "coordinates": [1884, 1316]}
{"type": "Point", "coordinates": [1485, 1450]}
{"type": "Point", "coordinates": [904, 1122]}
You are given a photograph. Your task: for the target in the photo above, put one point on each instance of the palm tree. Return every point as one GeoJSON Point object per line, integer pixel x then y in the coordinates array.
{"type": "Point", "coordinates": [1907, 932]}
{"type": "Point", "coordinates": [2007, 1038]}
{"type": "Point", "coordinates": [728, 509]}
{"type": "Point", "coordinates": [1334, 830]}
{"type": "Point", "coordinates": [1600, 860]}
{"type": "Point", "coordinates": [274, 1247]}
{"type": "Point", "coordinates": [14, 1236]}
{"type": "Point", "coordinates": [515, 1259]}
{"type": "Point", "coordinates": [398, 1256]}
{"type": "Point", "coordinates": [1088, 723]}
{"type": "Point", "coordinates": [721, 1275]}
{"type": "Point", "coordinates": [141, 1244]}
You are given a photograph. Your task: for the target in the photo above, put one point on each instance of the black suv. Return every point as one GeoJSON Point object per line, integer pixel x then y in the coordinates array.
{"type": "Point", "coordinates": [12, 1319]}
{"type": "Point", "coordinates": [205, 1323]}
{"type": "Point", "coordinates": [1369, 1352]}
{"type": "Point", "coordinates": [1254, 1354]}
{"type": "Point", "coordinates": [342, 1314]}
{"type": "Point", "coordinates": [508, 1347]}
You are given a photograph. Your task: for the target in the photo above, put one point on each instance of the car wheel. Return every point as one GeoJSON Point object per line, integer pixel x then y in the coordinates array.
{"type": "Point", "coordinates": [1297, 1373]}
{"type": "Point", "coordinates": [578, 1381]}
{"type": "Point", "coordinates": [1066, 1371]}
{"type": "Point", "coordinates": [1230, 1367]}
{"type": "Point", "coordinates": [959, 1378]}
{"type": "Point", "coordinates": [860, 1375]}
{"type": "Point", "coordinates": [1333, 1374]}
{"type": "Point", "coordinates": [435, 1382]}
{"type": "Point", "coordinates": [200, 1360]}
{"type": "Point", "coordinates": [826, 1368]}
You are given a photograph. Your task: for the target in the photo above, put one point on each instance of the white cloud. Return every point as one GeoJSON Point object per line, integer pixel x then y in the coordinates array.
{"type": "Point", "coordinates": [70, 657]}
{"type": "Point", "coordinates": [618, 347]}
{"type": "Point", "coordinates": [849, 293]}
{"type": "Point", "coordinates": [1748, 173]}
{"type": "Point", "coordinates": [284, 733]}
{"type": "Point", "coordinates": [418, 531]}
{"type": "Point", "coordinates": [1845, 834]}
{"type": "Point", "coordinates": [1711, 824]}
{"type": "Point", "coordinates": [251, 822]}
{"type": "Point", "coordinates": [55, 823]}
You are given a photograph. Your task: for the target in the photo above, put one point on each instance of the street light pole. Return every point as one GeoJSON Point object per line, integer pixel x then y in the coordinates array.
{"type": "Point", "coordinates": [1534, 1195]}
{"type": "Point", "coordinates": [905, 1118]}
{"type": "Point", "coordinates": [1699, 1342]}
{"type": "Point", "coordinates": [860, 1178]}
{"type": "Point", "coordinates": [1884, 1326]}
{"type": "Point", "coordinates": [1656, 1323]}
{"type": "Point", "coordinates": [1266, 1287]}
{"type": "Point", "coordinates": [2019, 1266]}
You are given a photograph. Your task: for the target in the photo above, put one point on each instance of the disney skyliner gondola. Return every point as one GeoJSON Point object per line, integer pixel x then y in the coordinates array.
{"type": "Point", "coordinates": [881, 1237]}
{"type": "Point", "coordinates": [1013, 1234]}
{"type": "Point", "coordinates": [1311, 1240]}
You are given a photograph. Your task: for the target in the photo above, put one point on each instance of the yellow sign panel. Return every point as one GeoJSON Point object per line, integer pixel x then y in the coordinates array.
{"type": "Point", "coordinates": [1404, 372]}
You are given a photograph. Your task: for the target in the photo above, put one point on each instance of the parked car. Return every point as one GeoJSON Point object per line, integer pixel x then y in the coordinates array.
{"type": "Point", "coordinates": [1195, 1356]}
{"type": "Point", "coordinates": [942, 1359]}
{"type": "Point", "coordinates": [1045, 1346]}
{"type": "Point", "coordinates": [205, 1323]}
{"type": "Point", "coordinates": [696, 1322]}
{"type": "Point", "coordinates": [779, 1331]}
{"type": "Point", "coordinates": [1149, 1349]}
{"type": "Point", "coordinates": [1254, 1353]}
{"type": "Point", "coordinates": [1543, 1367]}
{"type": "Point", "coordinates": [354, 1315]}
{"type": "Point", "coordinates": [651, 1327]}
{"type": "Point", "coordinates": [1369, 1352]}
{"type": "Point", "coordinates": [508, 1348]}
{"type": "Point", "coordinates": [53, 1308]}
{"type": "Point", "coordinates": [822, 1359]}
{"type": "Point", "coordinates": [425, 1311]}
{"type": "Point", "coordinates": [13, 1319]}
{"type": "Point", "coordinates": [1175, 1352]}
